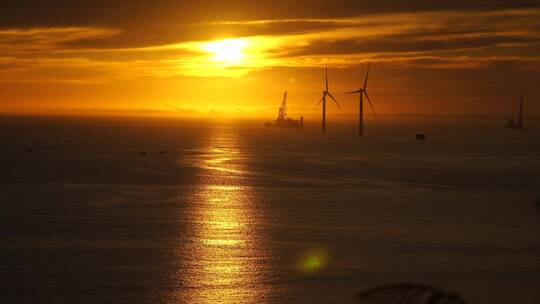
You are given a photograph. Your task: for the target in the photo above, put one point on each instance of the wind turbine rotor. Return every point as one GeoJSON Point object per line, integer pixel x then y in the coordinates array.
{"type": "Point", "coordinates": [320, 101]}
{"type": "Point", "coordinates": [367, 75]}
{"type": "Point", "coordinates": [370, 104]}
{"type": "Point", "coordinates": [326, 77]}
{"type": "Point", "coordinates": [334, 99]}
{"type": "Point", "coordinates": [356, 92]}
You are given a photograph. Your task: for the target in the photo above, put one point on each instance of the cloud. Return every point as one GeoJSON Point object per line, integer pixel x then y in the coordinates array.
{"type": "Point", "coordinates": [146, 23]}
{"type": "Point", "coordinates": [49, 38]}
{"type": "Point", "coordinates": [83, 70]}
{"type": "Point", "coordinates": [133, 13]}
{"type": "Point", "coordinates": [432, 39]}
{"type": "Point", "coordinates": [405, 44]}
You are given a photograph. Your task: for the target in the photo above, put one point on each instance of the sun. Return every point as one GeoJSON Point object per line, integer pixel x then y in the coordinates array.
{"type": "Point", "coordinates": [228, 51]}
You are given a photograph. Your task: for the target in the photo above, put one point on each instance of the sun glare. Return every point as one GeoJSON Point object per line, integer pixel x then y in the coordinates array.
{"type": "Point", "coordinates": [228, 51]}
{"type": "Point", "coordinates": [216, 57]}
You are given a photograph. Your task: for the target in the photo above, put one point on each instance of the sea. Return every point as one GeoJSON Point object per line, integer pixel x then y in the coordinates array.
{"type": "Point", "coordinates": [165, 210]}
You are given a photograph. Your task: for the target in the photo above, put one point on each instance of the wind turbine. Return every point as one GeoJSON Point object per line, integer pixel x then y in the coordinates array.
{"type": "Point", "coordinates": [325, 93]}
{"type": "Point", "coordinates": [362, 92]}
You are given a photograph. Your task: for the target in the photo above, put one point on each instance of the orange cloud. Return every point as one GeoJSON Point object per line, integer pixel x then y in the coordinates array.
{"type": "Point", "coordinates": [410, 51]}
{"type": "Point", "coordinates": [17, 40]}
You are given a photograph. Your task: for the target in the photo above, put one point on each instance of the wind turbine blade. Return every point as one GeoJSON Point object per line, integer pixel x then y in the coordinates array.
{"type": "Point", "coordinates": [355, 92]}
{"type": "Point", "coordinates": [367, 75]}
{"type": "Point", "coordinates": [370, 104]}
{"type": "Point", "coordinates": [326, 70]}
{"type": "Point", "coordinates": [320, 102]}
{"type": "Point", "coordinates": [334, 100]}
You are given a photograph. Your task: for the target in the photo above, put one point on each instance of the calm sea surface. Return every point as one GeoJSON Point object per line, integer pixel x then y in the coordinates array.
{"type": "Point", "coordinates": [129, 211]}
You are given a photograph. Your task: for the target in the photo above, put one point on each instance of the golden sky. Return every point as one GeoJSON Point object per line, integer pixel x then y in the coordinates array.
{"type": "Point", "coordinates": [237, 58]}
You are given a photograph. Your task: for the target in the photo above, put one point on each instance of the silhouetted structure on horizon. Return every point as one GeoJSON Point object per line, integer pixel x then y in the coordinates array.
{"type": "Point", "coordinates": [363, 91]}
{"type": "Point", "coordinates": [519, 124]}
{"type": "Point", "coordinates": [325, 93]}
{"type": "Point", "coordinates": [283, 121]}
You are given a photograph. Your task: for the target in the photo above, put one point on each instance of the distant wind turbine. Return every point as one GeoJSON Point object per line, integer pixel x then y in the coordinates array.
{"type": "Point", "coordinates": [323, 100]}
{"type": "Point", "coordinates": [362, 92]}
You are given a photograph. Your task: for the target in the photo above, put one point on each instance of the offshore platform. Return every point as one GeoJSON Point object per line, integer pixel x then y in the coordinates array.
{"type": "Point", "coordinates": [283, 121]}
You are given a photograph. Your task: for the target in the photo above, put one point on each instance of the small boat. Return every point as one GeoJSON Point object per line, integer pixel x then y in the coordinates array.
{"type": "Point", "coordinates": [283, 121]}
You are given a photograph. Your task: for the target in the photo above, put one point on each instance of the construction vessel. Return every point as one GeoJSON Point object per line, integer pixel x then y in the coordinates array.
{"type": "Point", "coordinates": [283, 121]}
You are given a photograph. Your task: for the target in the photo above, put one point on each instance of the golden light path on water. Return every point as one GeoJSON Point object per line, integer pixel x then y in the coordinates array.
{"type": "Point", "coordinates": [222, 256]}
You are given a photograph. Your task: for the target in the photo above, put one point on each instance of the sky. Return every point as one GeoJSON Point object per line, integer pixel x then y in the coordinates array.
{"type": "Point", "coordinates": [236, 58]}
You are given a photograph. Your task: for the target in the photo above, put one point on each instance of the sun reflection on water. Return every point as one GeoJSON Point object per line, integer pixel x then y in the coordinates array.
{"type": "Point", "coordinates": [221, 259]}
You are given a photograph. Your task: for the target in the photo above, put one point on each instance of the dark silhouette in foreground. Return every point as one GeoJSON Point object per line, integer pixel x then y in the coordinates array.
{"type": "Point", "coordinates": [408, 294]}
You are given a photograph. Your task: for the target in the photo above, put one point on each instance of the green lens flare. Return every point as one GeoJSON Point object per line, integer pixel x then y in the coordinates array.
{"type": "Point", "coordinates": [312, 263]}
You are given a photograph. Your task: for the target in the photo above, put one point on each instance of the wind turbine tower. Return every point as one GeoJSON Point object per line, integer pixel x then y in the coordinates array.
{"type": "Point", "coordinates": [363, 91]}
{"type": "Point", "coordinates": [326, 93]}
{"type": "Point", "coordinates": [520, 117]}
{"type": "Point", "coordinates": [519, 124]}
